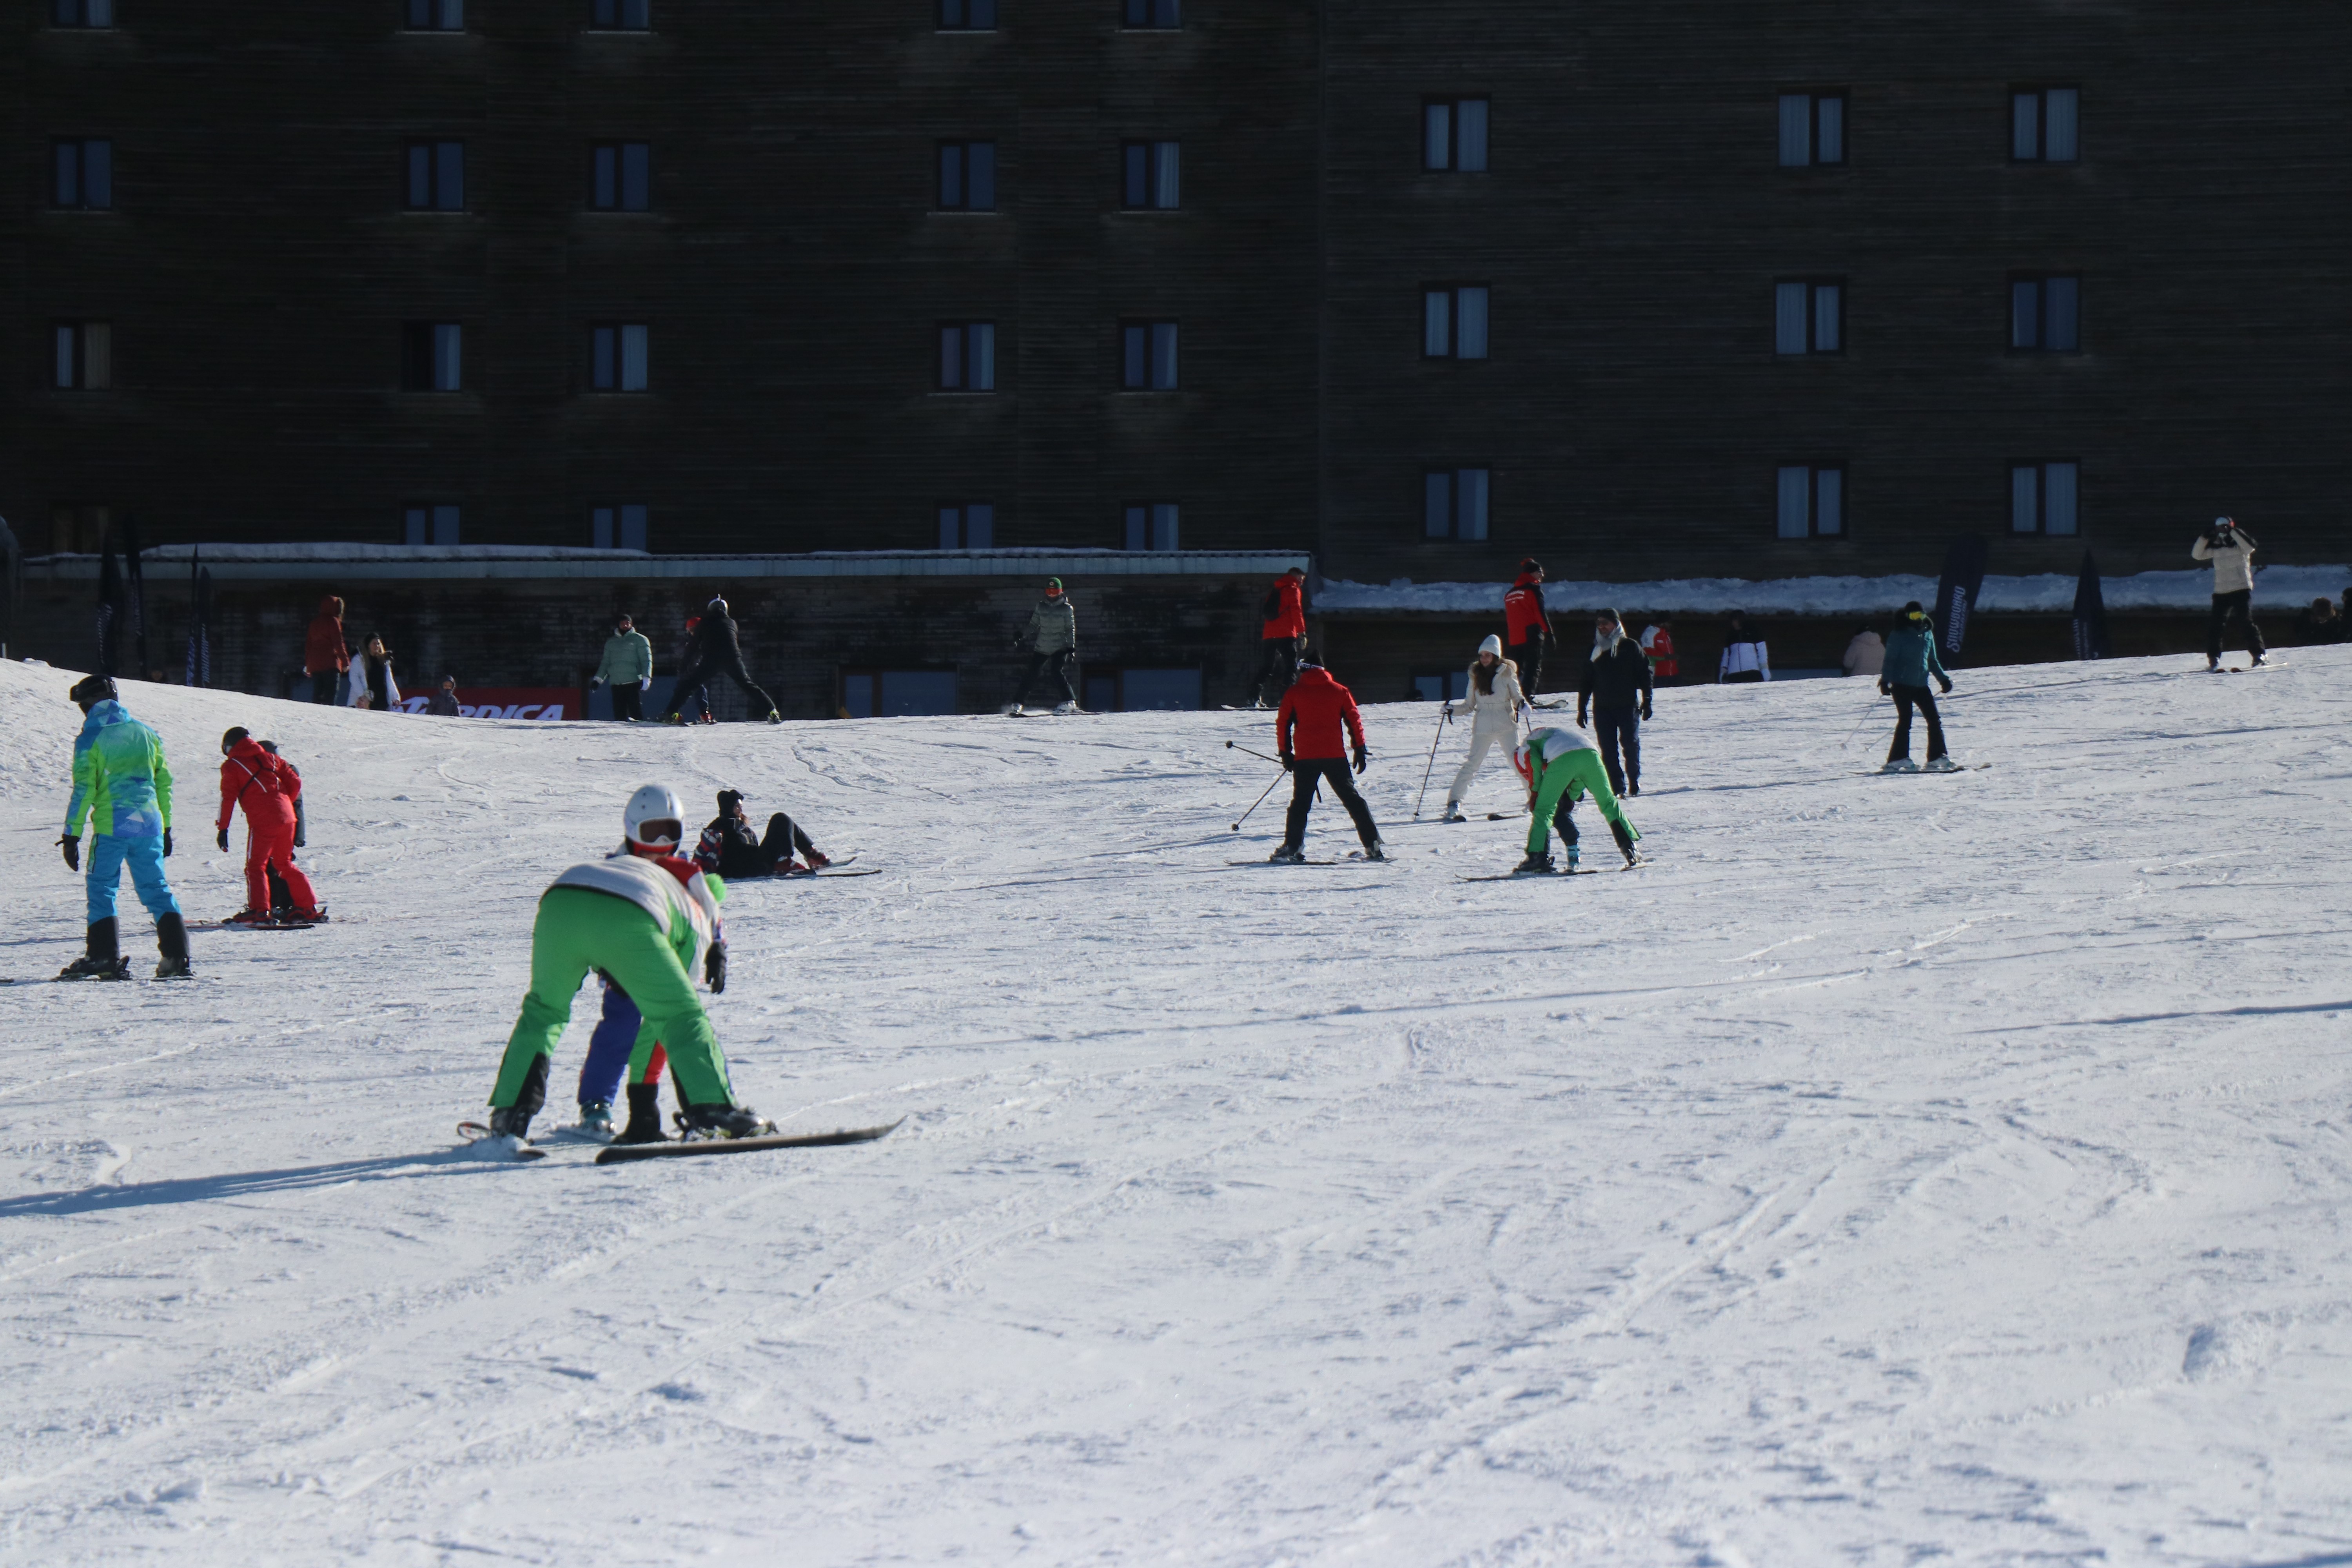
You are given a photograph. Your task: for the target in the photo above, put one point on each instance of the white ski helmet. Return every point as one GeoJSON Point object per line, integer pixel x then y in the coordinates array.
{"type": "Point", "coordinates": [654, 802]}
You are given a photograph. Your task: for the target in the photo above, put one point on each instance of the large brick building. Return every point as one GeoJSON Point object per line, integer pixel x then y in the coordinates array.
{"type": "Point", "coordinates": [1652, 292]}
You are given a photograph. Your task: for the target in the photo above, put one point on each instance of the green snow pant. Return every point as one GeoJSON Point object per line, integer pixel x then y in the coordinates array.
{"type": "Point", "coordinates": [578, 929]}
{"type": "Point", "coordinates": [1570, 777]}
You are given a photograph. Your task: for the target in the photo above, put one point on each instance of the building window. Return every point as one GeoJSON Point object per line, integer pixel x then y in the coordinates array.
{"type": "Point", "coordinates": [436, 176]}
{"type": "Point", "coordinates": [621, 16]}
{"type": "Point", "coordinates": [82, 12]}
{"type": "Point", "coordinates": [1147, 356]}
{"type": "Point", "coordinates": [1453, 321]}
{"type": "Point", "coordinates": [1453, 135]}
{"type": "Point", "coordinates": [2045, 315]}
{"type": "Point", "coordinates": [430, 356]}
{"type": "Point", "coordinates": [1442, 686]}
{"type": "Point", "coordinates": [617, 527]}
{"type": "Point", "coordinates": [967, 356]}
{"type": "Point", "coordinates": [968, 176]}
{"type": "Point", "coordinates": [968, 525]}
{"type": "Point", "coordinates": [81, 174]}
{"type": "Point", "coordinates": [427, 523]}
{"type": "Point", "coordinates": [1149, 175]}
{"type": "Point", "coordinates": [1150, 15]}
{"type": "Point", "coordinates": [82, 357]}
{"type": "Point", "coordinates": [1808, 316]}
{"type": "Point", "coordinates": [1812, 129]}
{"type": "Point", "coordinates": [2042, 126]}
{"type": "Point", "coordinates": [619, 356]}
{"type": "Point", "coordinates": [1813, 502]}
{"type": "Point", "coordinates": [1151, 525]}
{"type": "Point", "coordinates": [1454, 503]}
{"type": "Point", "coordinates": [2042, 499]}
{"type": "Point", "coordinates": [967, 16]}
{"type": "Point", "coordinates": [78, 530]}
{"type": "Point", "coordinates": [621, 176]}
{"type": "Point", "coordinates": [436, 15]}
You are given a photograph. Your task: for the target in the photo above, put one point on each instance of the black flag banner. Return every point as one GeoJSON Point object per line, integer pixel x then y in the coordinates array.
{"type": "Point", "coordinates": [200, 619]}
{"type": "Point", "coordinates": [110, 598]}
{"type": "Point", "coordinates": [2090, 613]}
{"type": "Point", "coordinates": [1955, 596]}
{"type": "Point", "coordinates": [135, 599]}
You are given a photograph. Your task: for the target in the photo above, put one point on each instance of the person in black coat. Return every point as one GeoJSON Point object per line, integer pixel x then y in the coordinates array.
{"type": "Point", "coordinates": [1617, 686]}
{"type": "Point", "coordinates": [714, 650]}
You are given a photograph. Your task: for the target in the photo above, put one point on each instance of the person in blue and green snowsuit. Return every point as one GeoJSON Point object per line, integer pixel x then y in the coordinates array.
{"type": "Point", "coordinates": [1910, 660]}
{"type": "Point", "coordinates": [123, 788]}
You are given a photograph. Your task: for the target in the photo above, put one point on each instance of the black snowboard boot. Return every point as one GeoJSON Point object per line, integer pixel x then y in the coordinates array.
{"type": "Point", "coordinates": [724, 1121]}
{"type": "Point", "coordinates": [1625, 836]}
{"type": "Point", "coordinates": [510, 1122]}
{"type": "Point", "coordinates": [645, 1116]}
{"type": "Point", "coordinates": [102, 961]}
{"type": "Point", "coordinates": [1534, 866]}
{"type": "Point", "coordinates": [171, 940]}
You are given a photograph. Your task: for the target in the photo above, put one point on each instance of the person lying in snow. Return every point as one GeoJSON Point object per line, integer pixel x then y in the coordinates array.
{"type": "Point", "coordinates": [730, 847]}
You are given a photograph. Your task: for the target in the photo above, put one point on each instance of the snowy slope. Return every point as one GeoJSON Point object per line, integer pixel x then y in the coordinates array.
{"type": "Point", "coordinates": [1896, 1168]}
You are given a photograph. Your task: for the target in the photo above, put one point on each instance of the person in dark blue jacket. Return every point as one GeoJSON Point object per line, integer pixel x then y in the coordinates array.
{"type": "Point", "coordinates": [1910, 661]}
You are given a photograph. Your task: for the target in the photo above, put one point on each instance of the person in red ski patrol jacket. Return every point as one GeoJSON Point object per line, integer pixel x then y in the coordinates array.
{"type": "Point", "coordinates": [269, 789]}
{"type": "Point", "coordinates": [1309, 733]}
{"type": "Point", "coordinates": [1528, 631]}
{"type": "Point", "coordinates": [1658, 643]}
{"type": "Point", "coordinates": [1283, 634]}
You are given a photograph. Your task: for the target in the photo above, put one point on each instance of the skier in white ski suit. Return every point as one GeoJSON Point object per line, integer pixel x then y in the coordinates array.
{"type": "Point", "coordinates": [1495, 701]}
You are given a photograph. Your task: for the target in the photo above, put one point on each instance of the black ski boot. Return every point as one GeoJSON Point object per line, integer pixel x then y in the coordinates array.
{"type": "Point", "coordinates": [171, 940]}
{"type": "Point", "coordinates": [511, 1122]}
{"type": "Point", "coordinates": [645, 1116]}
{"type": "Point", "coordinates": [1625, 836]}
{"type": "Point", "coordinates": [102, 961]}
{"type": "Point", "coordinates": [1288, 855]}
{"type": "Point", "coordinates": [1534, 866]}
{"type": "Point", "coordinates": [724, 1121]}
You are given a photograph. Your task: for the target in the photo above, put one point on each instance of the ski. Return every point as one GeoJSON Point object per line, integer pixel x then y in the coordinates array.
{"type": "Point", "coordinates": [1533, 875]}
{"type": "Point", "coordinates": [623, 1154]}
{"type": "Point", "coordinates": [1351, 860]}
{"type": "Point", "coordinates": [808, 876]}
{"type": "Point", "coordinates": [1964, 768]}
{"type": "Point", "coordinates": [474, 1131]}
{"type": "Point", "coordinates": [250, 926]}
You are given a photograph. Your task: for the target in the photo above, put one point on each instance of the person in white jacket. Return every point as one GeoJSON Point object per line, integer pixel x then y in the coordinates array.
{"type": "Point", "coordinates": [2232, 551]}
{"type": "Point", "coordinates": [373, 685]}
{"type": "Point", "coordinates": [1744, 654]}
{"type": "Point", "coordinates": [1495, 701]}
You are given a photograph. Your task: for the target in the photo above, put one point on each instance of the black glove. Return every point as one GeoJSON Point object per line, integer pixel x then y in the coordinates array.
{"type": "Point", "coordinates": [72, 847]}
{"type": "Point", "coordinates": [1948, 684]}
{"type": "Point", "coordinates": [222, 839]}
{"type": "Point", "coordinates": [1580, 718]}
{"type": "Point", "coordinates": [1363, 759]}
{"type": "Point", "coordinates": [167, 843]}
{"type": "Point", "coordinates": [714, 967]}
{"type": "Point", "coordinates": [1884, 690]}
{"type": "Point", "coordinates": [1645, 712]}
{"type": "Point", "coordinates": [1289, 763]}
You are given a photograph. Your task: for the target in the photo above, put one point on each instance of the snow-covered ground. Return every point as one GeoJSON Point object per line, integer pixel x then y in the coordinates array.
{"type": "Point", "coordinates": [1896, 1169]}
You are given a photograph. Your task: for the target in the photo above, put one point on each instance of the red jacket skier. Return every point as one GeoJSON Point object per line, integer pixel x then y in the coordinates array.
{"type": "Point", "coordinates": [1527, 629]}
{"type": "Point", "coordinates": [1316, 721]}
{"type": "Point", "coordinates": [1282, 633]}
{"type": "Point", "coordinates": [268, 788]}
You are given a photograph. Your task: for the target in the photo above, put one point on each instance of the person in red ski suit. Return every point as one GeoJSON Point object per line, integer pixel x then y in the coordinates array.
{"type": "Point", "coordinates": [1307, 733]}
{"type": "Point", "coordinates": [1527, 629]}
{"type": "Point", "coordinates": [1282, 632]}
{"type": "Point", "coordinates": [269, 789]}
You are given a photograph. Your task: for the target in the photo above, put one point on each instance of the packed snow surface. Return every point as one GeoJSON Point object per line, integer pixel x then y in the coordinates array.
{"type": "Point", "coordinates": [1894, 1170]}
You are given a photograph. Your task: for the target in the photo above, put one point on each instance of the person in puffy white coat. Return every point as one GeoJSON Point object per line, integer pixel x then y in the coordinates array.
{"type": "Point", "coordinates": [1494, 700]}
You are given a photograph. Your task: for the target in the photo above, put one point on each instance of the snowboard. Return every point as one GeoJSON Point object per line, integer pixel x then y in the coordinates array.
{"type": "Point", "coordinates": [474, 1131]}
{"type": "Point", "coordinates": [623, 1153]}
{"type": "Point", "coordinates": [247, 925]}
{"type": "Point", "coordinates": [1355, 859]}
{"type": "Point", "coordinates": [832, 868]}
{"type": "Point", "coordinates": [1535, 876]}
{"type": "Point", "coordinates": [2243, 668]}
{"type": "Point", "coordinates": [1883, 774]}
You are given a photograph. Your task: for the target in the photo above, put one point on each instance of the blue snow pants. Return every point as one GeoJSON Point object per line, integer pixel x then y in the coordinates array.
{"type": "Point", "coordinates": [610, 1048]}
{"type": "Point", "coordinates": [108, 855]}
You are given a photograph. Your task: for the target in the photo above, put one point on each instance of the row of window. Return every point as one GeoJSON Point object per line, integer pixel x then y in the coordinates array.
{"type": "Point", "coordinates": [2044, 127]}
{"type": "Point", "coordinates": [2045, 315]}
{"type": "Point", "coordinates": [2041, 501]}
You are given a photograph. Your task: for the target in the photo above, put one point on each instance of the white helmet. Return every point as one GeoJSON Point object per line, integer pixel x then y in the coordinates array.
{"type": "Point", "coordinates": [654, 802]}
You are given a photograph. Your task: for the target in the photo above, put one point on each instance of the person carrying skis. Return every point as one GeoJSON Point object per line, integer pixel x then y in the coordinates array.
{"type": "Point", "coordinates": [1495, 701]}
{"type": "Point", "coordinates": [122, 785]}
{"type": "Point", "coordinates": [268, 788]}
{"type": "Point", "coordinates": [1527, 628]}
{"type": "Point", "coordinates": [716, 649]}
{"type": "Point", "coordinates": [1911, 658]}
{"type": "Point", "coordinates": [325, 655]}
{"type": "Point", "coordinates": [1308, 737]}
{"type": "Point", "coordinates": [1281, 634]}
{"type": "Point", "coordinates": [728, 847]}
{"type": "Point", "coordinates": [646, 919]}
{"type": "Point", "coordinates": [1561, 767]}
{"type": "Point", "coordinates": [1052, 635]}
{"type": "Point", "coordinates": [627, 668]}
{"type": "Point", "coordinates": [1616, 684]}
{"type": "Point", "coordinates": [2232, 551]}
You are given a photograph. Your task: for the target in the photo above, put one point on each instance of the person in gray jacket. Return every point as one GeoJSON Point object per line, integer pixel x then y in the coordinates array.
{"type": "Point", "coordinates": [1052, 637]}
{"type": "Point", "coordinates": [2232, 552]}
{"type": "Point", "coordinates": [627, 668]}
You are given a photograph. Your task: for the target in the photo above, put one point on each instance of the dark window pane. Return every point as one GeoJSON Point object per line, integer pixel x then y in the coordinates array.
{"type": "Point", "coordinates": [1135, 190]}
{"type": "Point", "coordinates": [1165, 182]}
{"type": "Point", "coordinates": [1163, 356]}
{"type": "Point", "coordinates": [1436, 322]}
{"type": "Point", "coordinates": [2025, 314]}
{"type": "Point", "coordinates": [605, 13]}
{"type": "Point", "coordinates": [1437, 505]}
{"type": "Point", "coordinates": [1828, 502]}
{"type": "Point", "coordinates": [453, 16]}
{"type": "Point", "coordinates": [980, 174]}
{"type": "Point", "coordinates": [605, 180]}
{"type": "Point", "coordinates": [1138, 522]}
{"type": "Point", "coordinates": [1829, 301]}
{"type": "Point", "coordinates": [605, 356]}
{"type": "Point", "coordinates": [1135, 352]}
{"type": "Point", "coordinates": [951, 358]}
{"type": "Point", "coordinates": [2059, 142]}
{"type": "Point", "coordinates": [1470, 324]}
{"type": "Point", "coordinates": [980, 526]}
{"type": "Point", "coordinates": [2024, 501]}
{"type": "Point", "coordinates": [636, 14]}
{"type": "Point", "coordinates": [447, 340]}
{"type": "Point", "coordinates": [1789, 318]}
{"type": "Point", "coordinates": [2025, 125]}
{"type": "Point", "coordinates": [636, 176]}
{"type": "Point", "coordinates": [1796, 130]}
{"type": "Point", "coordinates": [415, 525]}
{"type": "Point", "coordinates": [1796, 502]}
{"type": "Point", "coordinates": [67, 190]}
{"type": "Point", "coordinates": [984, 16]}
{"type": "Point", "coordinates": [1437, 136]}
{"type": "Point", "coordinates": [2058, 500]}
{"type": "Point", "coordinates": [420, 13]}
{"type": "Point", "coordinates": [980, 356]}
{"type": "Point", "coordinates": [1163, 527]}
{"type": "Point", "coordinates": [1829, 134]}
{"type": "Point", "coordinates": [1470, 504]}
{"type": "Point", "coordinates": [420, 175]}
{"type": "Point", "coordinates": [2062, 305]}
{"type": "Point", "coordinates": [449, 176]}
{"type": "Point", "coordinates": [950, 15]}
{"type": "Point", "coordinates": [1470, 136]}
{"type": "Point", "coordinates": [950, 175]}
{"type": "Point", "coordinates": [951, 528]}
{"type": "Point", "coordinates": [98, 174]}
{"type": "Point", "coordinates": [1164, 14]}
{"type": "Point", "coordinates": [1136, 14]}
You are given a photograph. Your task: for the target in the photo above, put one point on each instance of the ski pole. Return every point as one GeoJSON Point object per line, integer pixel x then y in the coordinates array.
{"type": "Point", "coordinates": [1417, 801]}
{"type": "Point", "coordinates": [1258, 802]}
{"type": "Point", "coordinates": [1858, 723]}
{"type": "Point", "coordinates": [1260, 756]}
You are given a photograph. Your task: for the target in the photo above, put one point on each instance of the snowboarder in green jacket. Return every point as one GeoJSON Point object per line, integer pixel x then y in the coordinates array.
{"type": "Point", "coordinates": [122, 787]}
{"type": "Point", "coordinates": [1910, 660]}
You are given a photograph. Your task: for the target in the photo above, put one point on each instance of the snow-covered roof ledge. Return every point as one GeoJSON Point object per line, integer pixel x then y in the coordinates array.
{"type": "Point", "coordinates": [361, 563]}
{"type": "Point", "coordinates": [2277, 586]}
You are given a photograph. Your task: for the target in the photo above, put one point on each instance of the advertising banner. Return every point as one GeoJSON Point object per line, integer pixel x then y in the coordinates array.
{"type": "Point", "coordinates": [505, 702]}
{"type": "Point", "coordinates": [1955, 596]}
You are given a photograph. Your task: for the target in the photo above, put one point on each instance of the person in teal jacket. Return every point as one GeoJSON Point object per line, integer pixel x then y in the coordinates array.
{"type": "Point", "coordinates": [122, 787]}
{"type": "Point", "coordinates": [1910, 660]}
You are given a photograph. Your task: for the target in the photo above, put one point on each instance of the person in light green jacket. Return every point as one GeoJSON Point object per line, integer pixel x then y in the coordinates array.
{"type": "Point", "coordinates": [123, 788]}
{"type": "Point", "coordinates": [627, 668]}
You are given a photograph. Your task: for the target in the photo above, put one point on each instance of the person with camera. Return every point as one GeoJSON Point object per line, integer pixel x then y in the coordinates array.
{"type": "Point", "coordinates": [2232, 551]}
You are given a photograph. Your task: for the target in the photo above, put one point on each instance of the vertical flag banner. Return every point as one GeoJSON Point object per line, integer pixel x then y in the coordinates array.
{"type": "Point", "coordinates": [200, 617]}
{"type": "Point", "coordinates": [1955, 596]}
{"type": "Point", "coordinates": [109, 594]}
{"type": "Point", "coordinates": [2090, 613]}
{"type": "Point", "coordinates": [135, 597]}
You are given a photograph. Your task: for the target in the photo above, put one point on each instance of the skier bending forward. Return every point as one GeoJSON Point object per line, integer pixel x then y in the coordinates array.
{"type": "Point", "coordinates": [645, 918]}
{"type": "Point", "coordinates": [1561, 767]}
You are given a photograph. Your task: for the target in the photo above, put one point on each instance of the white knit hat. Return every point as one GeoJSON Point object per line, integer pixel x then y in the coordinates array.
{"type": "Point", "coordinates": [1492, 645]}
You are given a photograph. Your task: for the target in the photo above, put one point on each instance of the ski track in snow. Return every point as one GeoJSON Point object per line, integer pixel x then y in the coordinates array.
{"type": "Point", "coordinates": [1894, 1169]}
